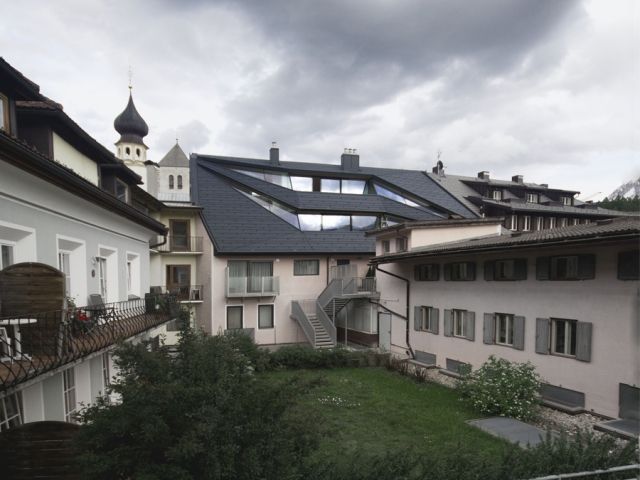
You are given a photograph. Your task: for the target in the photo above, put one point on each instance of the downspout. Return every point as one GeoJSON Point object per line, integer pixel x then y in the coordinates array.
{"type": "Point", "coordinates": [407, 281]}
{"type": "Point", "coordinates": [163, 242]}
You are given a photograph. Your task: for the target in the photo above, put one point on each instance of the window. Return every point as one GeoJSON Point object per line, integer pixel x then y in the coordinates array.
{"type": "Point", "coordinates": [302, 184]}
{"type": "Point", "coordinates": [629, 265]}
{"type": "Point", "coordinates": [127, 150]}
{"type": "Point", "coordinates": [460, 271]}
{"type": "Point", "coordinates": [426, 319]}
{"type": "Point", "coordinates": [506, 270]}
{"type": "Point", "coordinates": [385, 192]}
{"type": "Point", "coordinates": [563, 336]}
{"type": "Point", "coordinates": [566, 200]}
{"type": "Point", "coordinates": [64, 265]}
{"type": "Point", "coordinates": [460, 327]}
{"type": "Point", "coordinates": [179, 233]}
{"type": "Point", "coordinates": [138, 152]}
{"type": "Point", "coordinates": [69, 391]}
{"type": "Point", "coordinates": [265, 316]}
{"type": "Point", "coordinates": [255, 277]}
{"type": "Point", "coordinates": [278, 209]}
{"type": "Point", "coordinates": [102, 276]}
{"type": "Point", "coordinates": [6, 256]}
{"type": "Point", "coordinates": [512, 222]}
{"type": "Point", "coordinates": [526, 223]}
{"type": "Point", "coordinates": [336, 222]}
{"type": "Point", "coordinates": [539, 222]}
{"type": "Point", "coordinates": [386, 246]}
{"type": "Point", "coordinates": [11, 411]}
{"type": "Point", "coordinates": [563, 222]}
{"type": "Point", "coordinates": [170, 182]}
{"type": "Point", "coordinates": [428, 272]}
{"type": "Point", "coordinates": [4, 113]}
{"type": "Point", "coordinates": [306, 267]}
{"type": "Point", "coordinates": [401, 244]}
{"type": "Point", "coordinates": [532, 198]}
{"type": "Point", "coordinates": [504, 329]}
{"type": "Point", "coordinates": [575, 221]}
{"type": "Point", "coordinates": [179, 182]}
{"type": "Point", "coordinates": [566, 267]}
{"type": "Point", "coordinates": [234, 317]}
{"type": "Point", "coordinates": [460, 323]}
{"type": "Point", "coordinates": [363, 222]}
{"type": "Point", "coordinates": [551, 222]}
{"type": "Point", "coordinates": [329, 185]}
{"type": "Point", "coordinates": [353, 186]}
{"type": "Point", "coordinates": [121, 191]}
{"type": "Point", "coordinates": [496, 194]}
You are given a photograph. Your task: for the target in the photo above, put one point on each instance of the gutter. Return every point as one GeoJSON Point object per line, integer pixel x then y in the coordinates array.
{"type": "Point", "coordinates": [163, 242]}
{"type": "Point", "coordinates": [408, 283]}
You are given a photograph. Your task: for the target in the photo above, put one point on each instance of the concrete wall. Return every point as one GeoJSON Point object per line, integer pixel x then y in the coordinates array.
{"type": "Point", "coordinates": [67, 155]}
{"type": "Point", "coordinates": [609, 304]}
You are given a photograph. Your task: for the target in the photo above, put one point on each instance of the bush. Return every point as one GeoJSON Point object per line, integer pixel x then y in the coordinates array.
{"type": "Point", "coordinates": [503, 388]}
{"type": "Point", "coordinates": [296, 356]}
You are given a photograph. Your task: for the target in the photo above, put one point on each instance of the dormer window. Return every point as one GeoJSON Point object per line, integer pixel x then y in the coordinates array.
{"type": "Point", "coordinates": [4, 113]}
{"type": "Point", "coordinates": [179, 182]}
{"type": "Point", "coordinates": [533, 198]}
{"type": "Point", "coordinates": [496, 194]}
{"type": "Point", "coordinates": [121, 190]}
{"type": "Point", "coordinates": [170, 182]}
{"type": "Point", "coordinates": [567, 200]}
{"type": "Point", "coordinates": [401, 244]}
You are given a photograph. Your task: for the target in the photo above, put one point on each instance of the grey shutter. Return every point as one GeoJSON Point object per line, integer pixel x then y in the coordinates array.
{"type": "Point", "coordinates": [518, 332]}
{"type": "Point", "coordinates": [583, 341]}
{"type": "Point", "coordinates": [435, 314]}
{"type": "Point", "coordinates": [586, 267]}
{"type": "Point", "coordinates": [542, 335]}
{"type": "Point", "coordinates": [434, 272]}
{"type": "Point", "coordinates": [417, 317]}
{"type": "Point", "coordinates": [542, 268]}
{"type": "Point", "coordinates": [416, 273]}
{"type": "Point", "coordinates": [447, 271]}
{"type": "Point", "coordinates": [489, 328]}
{"type": "Point", "coordinates": [489, 267]}
{"type": "Point", "coordinates": [470, 320]}
{"type": "Point", "coordinates": [520, 269]}
{"type": "Point", "coordinates": [471, 271]}
{"type": "Point", "coordinates": [448, 324]}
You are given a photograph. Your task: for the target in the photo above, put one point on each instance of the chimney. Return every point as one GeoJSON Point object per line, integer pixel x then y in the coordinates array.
{"type": "Point", "coordinates": [545, 185]}
{"type": "Point", "coordinates": [274, 154]}
{"type": "Point", "coordinates": [517, 179]}
{"type": "Point", "coordinates": [483, 175]}
{"type": "Point", "coordinates": [350, 160]}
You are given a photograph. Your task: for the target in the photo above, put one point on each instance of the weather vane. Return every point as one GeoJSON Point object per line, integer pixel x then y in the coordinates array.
{"type": "Point", "coordinates": [130, 77]}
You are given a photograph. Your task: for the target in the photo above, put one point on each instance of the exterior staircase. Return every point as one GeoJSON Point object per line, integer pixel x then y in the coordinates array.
{"type": "Point", "coordinates": [317, 317]}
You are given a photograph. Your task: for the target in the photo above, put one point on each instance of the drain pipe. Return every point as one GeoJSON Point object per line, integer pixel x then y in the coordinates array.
{"type": "Point", "coordinates": [163, 242]}
{"type": "Point", "coordinates": [407, 281]}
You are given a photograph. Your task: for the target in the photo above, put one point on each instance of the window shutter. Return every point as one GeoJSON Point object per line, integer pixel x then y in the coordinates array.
{"type": "Point", "coordinates": [434, 272]}
{"type": "Point", "coordinates": [417, 317]}
{"type": "Point", "coordinates": [435, 312]}
{"type": "Point", "coordinates": [628, 265]}
{"type": "Point", "coordinates": [542, 268]}
{"type": "Point", "coordinates": [448, 324]}
{"type": "Point", "coordinates": [542, 336]}
{"type": "Point", "coordinates": [489, 328]}
{"type": "Point", "coordinates": [518, 332]}
{"type": "Point", "coordinates": [586, 267]}
{"type": "Point", "coordinates": [583, 341]}
{"type": "Point", "coordinates": [416, 273]}
{"type": "Point", "coordinates": [447, 271]}
{"type": "Point", "coordinates": [489, 267]}
{"type": "Point", "coordinates": [470, 320]}
{"type": "Point", "coordinates": [520, 269]}
{"type": "Point", "coordinates": [471, 271]}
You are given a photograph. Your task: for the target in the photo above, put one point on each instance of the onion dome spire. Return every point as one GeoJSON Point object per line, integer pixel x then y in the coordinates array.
{"type": "Point", "coordinates": [130, 124]}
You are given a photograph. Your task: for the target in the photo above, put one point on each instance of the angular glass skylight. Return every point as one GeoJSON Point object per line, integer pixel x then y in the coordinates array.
{"type": "Point", "coordinates": [274, 207]}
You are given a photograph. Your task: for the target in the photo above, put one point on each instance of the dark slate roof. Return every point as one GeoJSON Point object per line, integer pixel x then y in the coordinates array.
{"type": "Point", "coordinates": [559, 209]}
{"type": "Point", "coordinates": [238, 225]}
{"type": "Point", "coordinates": [617, 228]}
{"type": "Point", "coordinates": [130, 124]}
{"type": "Point", "coordinates": [175, 158]}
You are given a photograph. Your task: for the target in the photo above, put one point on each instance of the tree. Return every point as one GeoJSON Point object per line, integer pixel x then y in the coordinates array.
{"type": "Point", "coordinates": [200, 414]}
{"type": "Point", "coordinates": [622, 204]}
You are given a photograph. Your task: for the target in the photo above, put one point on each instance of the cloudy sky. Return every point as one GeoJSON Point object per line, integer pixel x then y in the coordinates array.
{"type": "Point", "coordinates": [543, 88]}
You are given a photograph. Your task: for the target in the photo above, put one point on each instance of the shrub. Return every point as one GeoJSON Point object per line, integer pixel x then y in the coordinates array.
{"type": "Point", "coordinates": [296, 356]}
{"type": "Point", "coordinates": [503, 388]}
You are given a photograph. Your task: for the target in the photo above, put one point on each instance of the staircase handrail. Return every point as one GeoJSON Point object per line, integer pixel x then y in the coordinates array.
{"type": "Point", "coordinates": [326, 322]}
{"type": "Point", "coordinates": [334, 289]}
{"type": "Point", "coordinates": [298, 314]}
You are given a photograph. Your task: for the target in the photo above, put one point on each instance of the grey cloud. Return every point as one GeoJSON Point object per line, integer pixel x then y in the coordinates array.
{"type": "Point", "coordinates": [192, 136]}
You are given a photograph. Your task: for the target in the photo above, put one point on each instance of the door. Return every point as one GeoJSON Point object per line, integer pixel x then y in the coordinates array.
{"type": "Point", "coordinates": [384, 331]}
{"type": "Point", "coordinates": [178, 280]}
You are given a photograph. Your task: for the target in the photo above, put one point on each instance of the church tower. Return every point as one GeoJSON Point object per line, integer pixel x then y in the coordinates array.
{"type": "Point", "coordinates": [132, 128]}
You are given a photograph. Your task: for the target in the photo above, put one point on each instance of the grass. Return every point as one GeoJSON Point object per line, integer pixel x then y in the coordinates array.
{"type": "Point", "coordinates": [374, 410]}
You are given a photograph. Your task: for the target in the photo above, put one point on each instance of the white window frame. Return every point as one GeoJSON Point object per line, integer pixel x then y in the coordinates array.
{"type": "Point", "coordinates": [575, 221]}
{"type": "Point", "coordinates": [134, 280]}
{"type": "Point", "coordinates": [226, 317]}
{"type": "Point", "coordinates": [110, 255]}
{"type": "Point", "coordinates": [505, 319]}
{"type": "Point", "coordinates": [22, 239]}
{"type": "Point", "coordinates": [6, 247]}
{"type": "Point", "coordinates": [513, 222]}
{"type": "Point", "coordinates": [567, 200]}
{"type": "Point", "coordinates": [496, 195]}
{"type": "Point", "coordinates": [427, 320]}
{"type": "Point", "coordinates": [273, 316]}
{"type": "Point", "coordinates": [552, 222]}
{"type": "Point", "coordinates": [532, 197]}
{"type": "Point", "coordinates": [526, 223]}
{"type": "Point", "coordinates": [17, 418]}
{"type": "Point", "coordinates": [539, 223]}
{"type": "Point", "coordinates": [77, 275]}
{"type": "Point", "coordinates": [69, 394]}
{"type": "Point", "coordinates": [103, 276]}
{"type": "Point", "coordinates": [570, 330]}
{"type": "Point", "coordinates": [64, 265]}
{"type": "Point", "coordinates": [458, 318]}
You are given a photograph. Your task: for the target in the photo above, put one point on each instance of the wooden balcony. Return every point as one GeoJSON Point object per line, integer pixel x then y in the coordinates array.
{"type": "Point", "coordinates": [38, 343]}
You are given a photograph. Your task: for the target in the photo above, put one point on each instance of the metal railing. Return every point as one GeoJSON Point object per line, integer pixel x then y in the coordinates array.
{"type": "Point", "coordinates": [298, 314]}
{"type": "Point", "coordinates": [333, 290]}
{"type": "Point", "coordinates": [183, 293]}
{"type": "Point", "coordinates": [37, 343]}
{"type": "Point", "coordinates": [326, 322]}
{"type": "Point", "coordinates": [181, 244]}
{"type": "Point", "coordinates": [252, 286]}
{"type": "Point", "coordinates": [343, 271]}
{"type": "Point", "coordinates": [360, 285]}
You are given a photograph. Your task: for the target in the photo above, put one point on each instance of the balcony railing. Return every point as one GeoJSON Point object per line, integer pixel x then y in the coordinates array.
{"type": "Point", "coordinates": [182, 293]}
{"type": "Point", "coordinates": [180, 244]}
{"type": "Point", "coordinates": [31, 345]}
{"type": "Point", "coordinates": [252, 286]}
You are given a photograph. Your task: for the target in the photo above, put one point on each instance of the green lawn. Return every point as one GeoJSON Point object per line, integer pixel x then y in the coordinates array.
{"type": "Point", "coordinates": [373, 410]}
